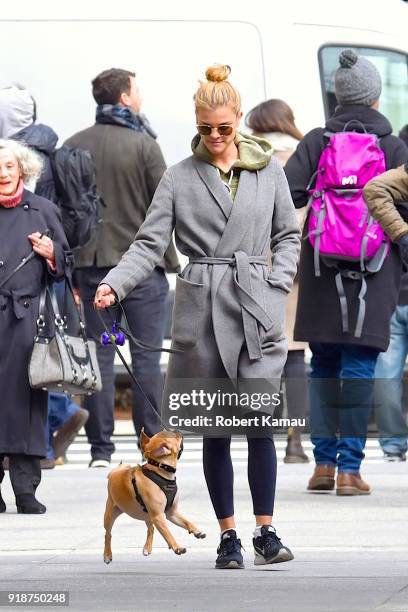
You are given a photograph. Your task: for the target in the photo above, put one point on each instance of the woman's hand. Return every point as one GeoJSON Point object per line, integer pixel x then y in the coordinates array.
{"type": "Point", "coordinates": [44, 246]}
{"type": "Point", "coordinates": [104, 296]}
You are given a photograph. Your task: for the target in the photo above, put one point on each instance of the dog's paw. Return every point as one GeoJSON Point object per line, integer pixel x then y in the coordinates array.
{"type": "Point", "coordinates": [199, 535]}
{"type": "Point", "coordinates": [180, 551]}
{"type": "Point", "coordinates": [146, 552]}
{"type": "Point", "coordinates": [107, 560]}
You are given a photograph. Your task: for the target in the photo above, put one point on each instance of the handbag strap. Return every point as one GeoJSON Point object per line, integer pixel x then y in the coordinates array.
{"type": "Point", "coordinates": [60, 326]}
{"type": "Point", "coordinates": [23, 262]}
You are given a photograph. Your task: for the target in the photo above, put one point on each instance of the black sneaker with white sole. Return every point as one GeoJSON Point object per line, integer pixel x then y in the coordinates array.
{"type": "Point", "coordinates": [269, 548]}
{"type": "Point", "coordinates": [229, 551]}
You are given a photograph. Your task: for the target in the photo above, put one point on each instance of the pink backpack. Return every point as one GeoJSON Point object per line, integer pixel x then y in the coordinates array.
{"type": "Point", "coordinates": [340, 227]}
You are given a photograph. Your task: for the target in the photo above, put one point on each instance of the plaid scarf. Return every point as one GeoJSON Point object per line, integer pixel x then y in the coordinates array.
{"type": "Point", "coordinates": [117, 114]}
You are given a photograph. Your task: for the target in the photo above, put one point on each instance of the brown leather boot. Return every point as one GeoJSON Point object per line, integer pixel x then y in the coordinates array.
{"type": "Point", "coordinates": [68, 432]}
{"type": "Point", "coordinates": [351, 484]}
{"type": "Point", "coordinates": [294, 448]}
{"type": "Point", "coordinates": [322, 479]}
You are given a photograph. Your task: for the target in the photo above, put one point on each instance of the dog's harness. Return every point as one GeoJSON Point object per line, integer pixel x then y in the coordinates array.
{"type": "Point", "coordinates": [169, 487]}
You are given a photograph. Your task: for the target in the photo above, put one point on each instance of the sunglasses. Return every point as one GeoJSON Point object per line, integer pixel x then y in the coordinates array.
{"type": "Point", "coordinates": [223, 130]}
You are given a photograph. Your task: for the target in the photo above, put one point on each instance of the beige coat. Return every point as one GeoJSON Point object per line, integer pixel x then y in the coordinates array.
{"type": "Point", "coordinates": [381, 195]}
{"type": "Point", "coordinates": [291, 304]}
{"type": "Point", "coordinates": [283, 147]}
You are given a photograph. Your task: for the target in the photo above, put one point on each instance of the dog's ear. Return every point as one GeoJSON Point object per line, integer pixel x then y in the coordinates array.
{"type": "Point", "coordinates": [161, 451]}
{"type": "Point", "coordinates": [144, 439]}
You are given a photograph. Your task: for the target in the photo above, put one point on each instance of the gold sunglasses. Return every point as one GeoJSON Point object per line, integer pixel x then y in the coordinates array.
{"type": "Point", "coordinates": [206, 130]}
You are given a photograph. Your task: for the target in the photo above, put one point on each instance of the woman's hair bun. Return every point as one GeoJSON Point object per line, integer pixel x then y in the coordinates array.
{"type": "Point", "coordinates": [217, 73]}
{"type": "Point", "coordinates": [347, 58]}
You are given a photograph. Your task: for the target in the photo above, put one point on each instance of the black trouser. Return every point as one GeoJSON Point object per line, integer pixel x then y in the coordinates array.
{"type": "Point", "coordinates": [25, 473]}
{"type": "Point", "coordinates": [145, 309]}
{"type": "Point", "coordinates": [219, 474]}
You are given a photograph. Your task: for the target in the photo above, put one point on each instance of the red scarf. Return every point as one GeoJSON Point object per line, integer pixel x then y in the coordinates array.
{"type": "Point", "coordinates": [11, 201]}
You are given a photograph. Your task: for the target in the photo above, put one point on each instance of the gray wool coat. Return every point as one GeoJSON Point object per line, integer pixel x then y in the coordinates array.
{"type": "Point", "coordinates": [228, 317]}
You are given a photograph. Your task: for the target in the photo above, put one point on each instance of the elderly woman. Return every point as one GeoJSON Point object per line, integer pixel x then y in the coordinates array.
{"type": "Point", "coordinates": [27, 223]}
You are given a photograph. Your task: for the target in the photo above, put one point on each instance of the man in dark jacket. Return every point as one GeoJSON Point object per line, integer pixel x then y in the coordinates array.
{"type": "Point", "coordinates": [343, 365]}
{"type": "Point", "coordinates": [129, 166]}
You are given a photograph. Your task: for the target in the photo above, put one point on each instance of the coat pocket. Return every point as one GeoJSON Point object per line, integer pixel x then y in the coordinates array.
{"type": "Point", "coordinates": [187, 312]}
{"type": "Point", "coordinates": [275, 306]}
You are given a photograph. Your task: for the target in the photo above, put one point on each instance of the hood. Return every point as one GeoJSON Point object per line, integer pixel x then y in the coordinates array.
{"type": "Point", "coordinates": [254, 152]}
{"type": "Point", "coordinates": [39, 137]}
{"type": "Point", "coordinates": [16, 110]}
{"type": "Point", "coordinates": [373, 121]}
{"type": "Point", "coordinates": [281, 141]}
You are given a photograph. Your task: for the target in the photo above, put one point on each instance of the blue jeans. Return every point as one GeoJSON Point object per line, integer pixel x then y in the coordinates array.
{"type": "Point", "coordinates": [60, 409]}
{"type": "Point", "coordinates": [388, 388]}
{"type": "Point", "coordinates": [341, 391]}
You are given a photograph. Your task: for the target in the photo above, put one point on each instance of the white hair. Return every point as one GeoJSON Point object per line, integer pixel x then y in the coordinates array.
{"type": "Point", "coordinates": [30, 163]}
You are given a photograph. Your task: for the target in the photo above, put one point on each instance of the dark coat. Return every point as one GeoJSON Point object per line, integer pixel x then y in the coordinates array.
{"type": "Point", "coordinates": [129, 166]}
{"type": "Point", "coordinates": [318, 317]}
{"type": "Point", "coordinates": [23, 411]}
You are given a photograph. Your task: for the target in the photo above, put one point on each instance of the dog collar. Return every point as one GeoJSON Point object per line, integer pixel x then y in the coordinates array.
{"type": "Point", "coordinates": [163, 466]}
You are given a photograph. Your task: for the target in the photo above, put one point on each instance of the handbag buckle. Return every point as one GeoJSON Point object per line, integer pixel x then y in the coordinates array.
{"type": "Point", "coordinates": [59, 321]}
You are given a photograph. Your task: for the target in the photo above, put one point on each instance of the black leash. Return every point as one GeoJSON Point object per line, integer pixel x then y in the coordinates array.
{"type": "Point", "coordinates": [138, 343]}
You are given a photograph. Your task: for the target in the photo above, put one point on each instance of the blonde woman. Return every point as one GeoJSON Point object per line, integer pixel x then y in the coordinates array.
{"type": "Point", "coordinates": [228, 204]}
{"type": "Point", "coordinates": [27, 223]}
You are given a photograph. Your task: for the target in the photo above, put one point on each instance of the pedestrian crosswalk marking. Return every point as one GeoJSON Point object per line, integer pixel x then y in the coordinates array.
{"type": "Point", "coordinates": [78, 454]}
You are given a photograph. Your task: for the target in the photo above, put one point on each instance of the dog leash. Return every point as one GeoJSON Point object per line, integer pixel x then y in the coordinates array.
{"type": "Point", "coordinates": [138, 343]}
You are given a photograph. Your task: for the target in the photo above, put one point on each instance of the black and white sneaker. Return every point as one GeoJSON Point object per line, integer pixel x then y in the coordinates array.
{"type": "Point", "coordinates": [229, 551]}
{"type": "Point", "coordinates": [269, 548]}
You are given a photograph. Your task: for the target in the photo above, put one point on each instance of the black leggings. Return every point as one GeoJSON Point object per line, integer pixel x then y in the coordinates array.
{"type": "Point", "coordinates": [219, 474]}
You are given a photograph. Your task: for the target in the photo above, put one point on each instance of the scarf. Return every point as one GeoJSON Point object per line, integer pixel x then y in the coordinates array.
{"type": "Point", "coordinates": [117, 114]}
{"type": "Point", "coordinates": [11, 201]}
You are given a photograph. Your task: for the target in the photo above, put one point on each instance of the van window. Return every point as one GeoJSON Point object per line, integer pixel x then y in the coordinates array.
{"type": "Point", "coordinates": [393, 67]}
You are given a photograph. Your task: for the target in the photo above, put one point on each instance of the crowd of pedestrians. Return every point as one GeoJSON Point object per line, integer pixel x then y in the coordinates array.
{"type": "Point", "coordinates": [231, 206]}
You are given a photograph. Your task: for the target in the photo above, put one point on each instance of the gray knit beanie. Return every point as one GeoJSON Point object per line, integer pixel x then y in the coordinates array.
{"type": "Point", "coordinates": [357, 80]}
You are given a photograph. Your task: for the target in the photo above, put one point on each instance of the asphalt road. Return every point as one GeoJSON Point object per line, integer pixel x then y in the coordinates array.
{"type": "Point", "coordinates": [351, 554]}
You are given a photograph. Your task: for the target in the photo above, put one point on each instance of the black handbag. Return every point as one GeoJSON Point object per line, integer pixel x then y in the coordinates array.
{"type": "Point", "coordinates": [62, 360]}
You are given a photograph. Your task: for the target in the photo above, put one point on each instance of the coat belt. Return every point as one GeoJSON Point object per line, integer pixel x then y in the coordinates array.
{"type": "Point", "coordinates": [252, 311]}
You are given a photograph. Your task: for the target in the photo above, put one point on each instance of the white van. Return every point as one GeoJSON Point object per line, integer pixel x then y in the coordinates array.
{"type": "Point", "coordinates": [286, 49]}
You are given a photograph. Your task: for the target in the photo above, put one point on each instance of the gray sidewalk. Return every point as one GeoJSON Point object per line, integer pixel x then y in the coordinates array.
{"type": "Point", "coordinates": [351, 554]}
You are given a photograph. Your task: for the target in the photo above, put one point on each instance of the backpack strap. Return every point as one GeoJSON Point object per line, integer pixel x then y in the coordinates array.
{"type": "Point", "coordinates": [376, 263]}
{"type": "Point", "coordinates": [316, 249]}
{"type": "Point", "coordinates": [354, 275]}
{"type": "Point", "coordinates": [59, 189]}
{"type": "Point", "coordinates": [343, 303]}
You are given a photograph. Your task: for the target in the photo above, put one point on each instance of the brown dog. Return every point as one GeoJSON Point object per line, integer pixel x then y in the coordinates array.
{"type": "Point", "coordinates": [148, 492]}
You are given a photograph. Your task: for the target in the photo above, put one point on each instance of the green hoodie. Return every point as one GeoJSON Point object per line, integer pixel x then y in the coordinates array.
{"type": "Point", "coordinates": [254, 154]}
